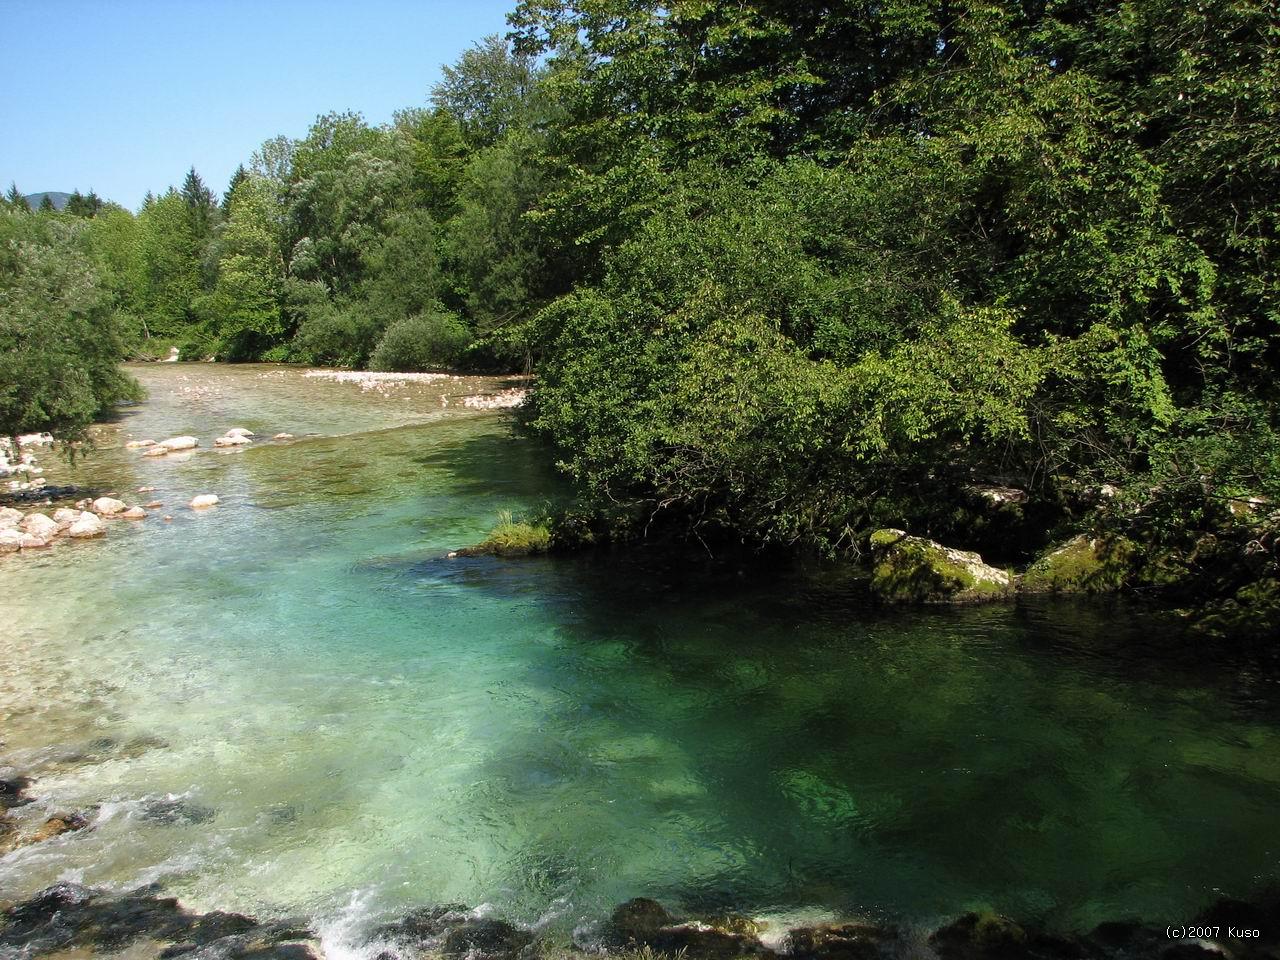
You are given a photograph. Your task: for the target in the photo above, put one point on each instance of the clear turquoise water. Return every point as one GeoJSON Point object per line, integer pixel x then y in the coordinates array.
{"type": "Point", "coordinates": [374, 726]}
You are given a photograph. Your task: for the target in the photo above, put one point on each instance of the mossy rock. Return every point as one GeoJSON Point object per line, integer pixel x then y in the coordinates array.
{"type": "Point", "coordinates": [1082, 565]}
{"type": "Point", "coordinates": [914, 570]}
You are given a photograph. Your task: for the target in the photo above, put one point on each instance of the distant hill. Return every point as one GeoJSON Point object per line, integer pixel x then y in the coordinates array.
{"type": "Point", "coordinates": [58, 197]}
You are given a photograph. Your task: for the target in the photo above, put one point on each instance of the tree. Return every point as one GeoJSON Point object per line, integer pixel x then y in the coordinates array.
{"type": "Point", "coordinates": [489, 91]}
{"type": "Point", "coordinates": [82, 205]}
{"type": "Point", "coordinates": [242, 313]}
{"type": "Point", "coordinates": [16, 200]}
{"type": "Point", "coordinates": [202, 205]}
{"type": "Point", "coordinates": [59, 345]}
{"type": "Point", "coordinates": [236, 179]}
{"type": "Point", "coordinates": [46, 204]}
{"type": "Point", "coordinates": [171, 255]}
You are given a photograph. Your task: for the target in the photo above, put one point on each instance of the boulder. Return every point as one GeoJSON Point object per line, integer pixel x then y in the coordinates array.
{"type": "Point", "coordinates": [59, 824]}
{"type": "Point", "coordinates": [39, 525]}
{"type": "Point", "coordinates": [87, 526]}
{"type": "Point", "coordinates": [232, 441]}
{"type": "Point", "coordinates": [156, 452]}
{"type": "Point", "coordinates": [13, 792]}
{"type": "Point", "coordinates": [1081, 565]}
{"type": "Point", "coordinates": [11, 540]}
{"type": "Point", "coordinates": [9, 517]}
{"type": "Point", "coordinates": [204, 501]}
{"type": "Point", "coordinates": [134, 513]}
{"type": "Point", "coordinates": [108, 506]}
{"type": "Point", "coordinates": [139, 444]}
{"type": "Point", "coordinates": [638, 918]}
{"type": "Point", "coordinates": [63, 516]}
{"type": "Point", "coordinates": [848, 941]}
{"type": "Point", "coordinates": [179, 443]}
{"type": "Point", "coordinates": [30, 541]}
{"type": "Point", "coordinates": [485, 938]}
{"type": "Point", "coordinates": [239, 432]}
{"type": "Point", "coordinates": [977, 935]}
{"type": "Point", "coordinates": [913, 569]}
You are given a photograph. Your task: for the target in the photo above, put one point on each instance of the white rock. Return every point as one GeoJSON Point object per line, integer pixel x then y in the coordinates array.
{"type": "Point", "coordinates": [87, 526]}
{"type": "Point", "coordinates": [179, 443]}
{"type": "Point", "coordinates": [139, 444]}
{"type": "Point", "coordinates": [283, 436]}
{"type": "Point", "coordinates": [239, 432]}
{"type": "Point", "coordinates": [10, 540]}
{"type": "Point", "coordinates": [204, 501]}
{"type": "Point", "coordinates": [39, 525]}
{"type": "Point", "coordinates": [9, 517]}
{"type": "Point", "coordinates": [108, 506]}
{"type": "Point", "coordinates": [156, 452]}
{"type": "Point", "coordinates": [237, 440]}
{"type": "Point", "coordinates": [63, 515]}
{"type": "Point", "coordinates": [31, 542]}
{"type": "Point", "coordinates": [134, 513]}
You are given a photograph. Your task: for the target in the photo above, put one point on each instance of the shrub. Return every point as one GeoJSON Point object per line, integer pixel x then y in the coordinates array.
{"type": "Point", "coordinates": [421, 342]}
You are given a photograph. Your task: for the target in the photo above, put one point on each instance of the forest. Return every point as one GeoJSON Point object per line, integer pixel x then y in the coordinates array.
{"type": "Point", "coordinates": [787, 272]}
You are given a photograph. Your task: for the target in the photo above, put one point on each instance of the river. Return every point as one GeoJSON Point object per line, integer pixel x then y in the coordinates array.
{"type": "Point", "coordinates": [349, 723]}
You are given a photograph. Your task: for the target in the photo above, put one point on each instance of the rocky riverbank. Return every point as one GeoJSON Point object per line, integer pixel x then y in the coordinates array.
{"type": "Point", "coordinates": [68, 920]}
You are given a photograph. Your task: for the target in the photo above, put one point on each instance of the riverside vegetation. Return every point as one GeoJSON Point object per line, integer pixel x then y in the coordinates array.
{"type": "Point", "coordinates": [788, 273]}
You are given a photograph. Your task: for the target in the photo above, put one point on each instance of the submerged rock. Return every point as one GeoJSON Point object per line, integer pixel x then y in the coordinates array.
{"type": "Point", "coordinates": [239, 432]}
{"type": "Point", "coordinates": [283, 436]}
{"type": "Point", "coordinates": [139, 444]}
{"type": "Point", "coordinates": [134, 513]}
{"type": "Point", "coordinates": [1081, 565]}
{"type": "Point", "coordinates": [913, 569]}
{"type": "Point", "coordinates": [176, 810]}
{"type": "Point", "coordinates": [64, 516]}
{"type": "Point", "coordinates": [232, 440]}
{"type": "Point", "coordinates": [12, 792]}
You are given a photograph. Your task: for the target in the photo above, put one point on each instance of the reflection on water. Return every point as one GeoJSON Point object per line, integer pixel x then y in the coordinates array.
{"type": "Point", "coordinates": [338, 708]}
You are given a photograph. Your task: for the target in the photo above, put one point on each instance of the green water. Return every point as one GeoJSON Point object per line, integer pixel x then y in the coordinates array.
{"type": "Point", "coordinates": [371, 726]}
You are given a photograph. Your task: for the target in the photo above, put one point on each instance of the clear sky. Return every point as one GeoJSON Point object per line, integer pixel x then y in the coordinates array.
{"type": "Point", "coordinates": [122, 96]}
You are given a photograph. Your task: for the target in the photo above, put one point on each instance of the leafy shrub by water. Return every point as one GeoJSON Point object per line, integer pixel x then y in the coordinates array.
{"type": "Point", "coordinates": [421, 342]}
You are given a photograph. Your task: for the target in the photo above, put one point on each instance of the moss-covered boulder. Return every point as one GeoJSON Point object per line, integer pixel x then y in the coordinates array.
{"type": "Point", "coordinates": [1081, 565]}
{"type": "Point", "coordinates": [914, 570]}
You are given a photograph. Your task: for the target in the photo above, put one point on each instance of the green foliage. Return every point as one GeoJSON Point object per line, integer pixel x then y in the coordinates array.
{"type": "Point", "coordinates": [60, 345]}
{"type": "Point", "coordinates": [427, 341]}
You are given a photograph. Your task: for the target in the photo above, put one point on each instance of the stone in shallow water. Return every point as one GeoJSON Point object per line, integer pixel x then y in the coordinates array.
{"type": "Point", "coordinates": [108, 506]}
{"type": "Point", "coordinates": [204, 501]}
{"type": "Point", "coordinates": [59, 824]}
{"type": "Point", "coordinates": [850, 941]}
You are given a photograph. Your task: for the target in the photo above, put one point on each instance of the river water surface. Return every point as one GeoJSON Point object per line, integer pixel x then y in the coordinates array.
{"type": "Point", "coordinates": [355, 724]}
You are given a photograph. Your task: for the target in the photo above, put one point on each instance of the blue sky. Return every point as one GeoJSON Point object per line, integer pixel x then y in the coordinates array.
{"type": "Point", "coordinates": [122, 96]}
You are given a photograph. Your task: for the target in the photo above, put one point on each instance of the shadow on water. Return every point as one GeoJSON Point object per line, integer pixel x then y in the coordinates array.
{"type": "Point", "coordinates": [806, 748]}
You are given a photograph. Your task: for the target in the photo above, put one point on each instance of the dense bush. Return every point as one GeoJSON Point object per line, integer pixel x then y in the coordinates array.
{"type": "Point", "coordinates": [425, 341]}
